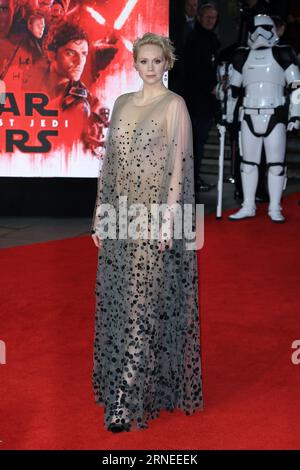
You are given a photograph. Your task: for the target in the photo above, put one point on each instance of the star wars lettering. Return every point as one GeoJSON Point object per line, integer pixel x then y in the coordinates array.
{"type": "Point", "coordinates": [18, 138]}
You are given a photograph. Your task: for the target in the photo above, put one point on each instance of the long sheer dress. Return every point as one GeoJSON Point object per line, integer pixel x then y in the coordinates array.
{"type": "Point", "coordinates": [147, 337]}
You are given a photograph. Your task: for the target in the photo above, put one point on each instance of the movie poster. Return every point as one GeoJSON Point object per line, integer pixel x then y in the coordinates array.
{"type": "Point", "coordinates": [62, 65]}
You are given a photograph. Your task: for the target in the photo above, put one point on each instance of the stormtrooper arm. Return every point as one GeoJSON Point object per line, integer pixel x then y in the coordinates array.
{"type": "Point", "coordinates": [294, 108]}
{"type": "Point", "coordinates": [292, 75]}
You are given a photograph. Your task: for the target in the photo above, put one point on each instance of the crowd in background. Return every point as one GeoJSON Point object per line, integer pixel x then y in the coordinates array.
{"type": "Point", "coordinates": [200, 50]}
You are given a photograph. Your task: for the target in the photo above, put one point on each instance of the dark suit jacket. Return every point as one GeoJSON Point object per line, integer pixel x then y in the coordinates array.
{"type": "Point", "coordinates": [200, 71]}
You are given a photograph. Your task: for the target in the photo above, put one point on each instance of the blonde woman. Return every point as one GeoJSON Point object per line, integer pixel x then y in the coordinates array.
{"type": "Point", "coordinates": [147, 349]}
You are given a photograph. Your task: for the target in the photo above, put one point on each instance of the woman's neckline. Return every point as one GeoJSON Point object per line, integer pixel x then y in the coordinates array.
{"type": "Point", "coordinates": [150, 102]}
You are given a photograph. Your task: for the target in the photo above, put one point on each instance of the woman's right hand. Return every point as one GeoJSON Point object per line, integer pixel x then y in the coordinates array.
{"type": "Point", "coordinates": [96, 240]}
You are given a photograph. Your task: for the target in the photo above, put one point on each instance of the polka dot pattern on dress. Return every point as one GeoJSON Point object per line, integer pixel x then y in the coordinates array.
{"type": "Point", "coordinates": [147, 338]}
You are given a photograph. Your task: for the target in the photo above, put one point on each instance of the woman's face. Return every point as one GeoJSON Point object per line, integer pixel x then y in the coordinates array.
{"type": "Point", "coordinates": [151, 63]}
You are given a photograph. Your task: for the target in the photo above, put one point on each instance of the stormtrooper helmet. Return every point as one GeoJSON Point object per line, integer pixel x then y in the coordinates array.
{"type": "Point", "coordinates": [262, 32]}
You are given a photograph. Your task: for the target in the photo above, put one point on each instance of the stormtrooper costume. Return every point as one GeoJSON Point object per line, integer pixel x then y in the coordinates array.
{"type": "Point", "coordinates": [270, 77]}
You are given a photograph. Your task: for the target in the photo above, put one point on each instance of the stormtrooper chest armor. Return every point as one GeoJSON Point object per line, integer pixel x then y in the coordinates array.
{"type": "Point", "coordinates": [263, 80]}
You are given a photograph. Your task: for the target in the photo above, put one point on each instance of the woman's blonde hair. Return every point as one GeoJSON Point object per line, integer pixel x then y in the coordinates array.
{"type": "Point", "coordinates": [158, 40]}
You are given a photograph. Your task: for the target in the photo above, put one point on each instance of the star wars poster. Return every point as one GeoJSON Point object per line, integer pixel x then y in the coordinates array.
{"type": "Point", "coordinates": [62, 65]}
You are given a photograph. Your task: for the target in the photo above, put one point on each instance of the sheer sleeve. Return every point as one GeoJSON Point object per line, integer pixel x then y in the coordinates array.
{"type": "Point", "coordinates": [178, 186]}
{"type": "Point", "coordinates": [106, 178]}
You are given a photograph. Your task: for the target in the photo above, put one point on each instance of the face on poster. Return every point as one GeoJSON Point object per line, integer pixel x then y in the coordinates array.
{"type": "Point", "coordinates": [62, 65]}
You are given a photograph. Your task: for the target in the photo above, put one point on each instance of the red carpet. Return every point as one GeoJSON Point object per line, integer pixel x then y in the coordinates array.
{"type": "Point", "coordinates": [250, 306]}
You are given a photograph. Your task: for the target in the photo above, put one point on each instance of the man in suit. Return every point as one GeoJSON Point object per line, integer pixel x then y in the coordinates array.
{"type": "Point", "coordinates": [190, 11]}
{"type": "Point", "coordinates": [200, 67]}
